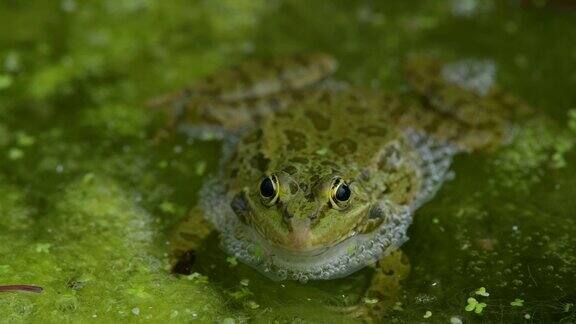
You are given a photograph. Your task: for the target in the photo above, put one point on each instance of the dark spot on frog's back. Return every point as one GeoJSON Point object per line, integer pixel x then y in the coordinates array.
{"type": "Point", "coordinates": [320, 122]}
{"type": "Point", "coordinates": [299, 160]}
{"type": "Point", "coordinates": [375, 131]}
{"type": "Point", "coordinates": [329, 164]}
{"type": "Point", "coordinates": [357, 110]}
{"type": "Point", "coordinates": [314, 178]}
{"type": "Point", "coordinates": [296, 140]}
{"type": "Point", "coordinates": [344, 146]}
{"type": "Point", "coordinates": [290, 169]}
{"type": "Point", "coordinates": [260, 162]}
{"type": "Point", "coordinates": [253, 136]}
{"type": "Point", "coordinates": [310, 197]}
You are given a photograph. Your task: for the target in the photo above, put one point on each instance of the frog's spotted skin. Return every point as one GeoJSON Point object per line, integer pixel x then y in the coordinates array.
{"type": "Point", "coordinates": [243, 94]}
{"type": "Point", "coordinates": [393, 151]}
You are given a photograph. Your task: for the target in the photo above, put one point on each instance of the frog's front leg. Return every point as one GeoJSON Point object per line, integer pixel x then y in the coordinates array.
{"type": "Point", "coordinates": [186, 239]}
{"type": "Point", "coordinates": [384, 290]}
{"type": "Point", "coordinates": [243, 94]}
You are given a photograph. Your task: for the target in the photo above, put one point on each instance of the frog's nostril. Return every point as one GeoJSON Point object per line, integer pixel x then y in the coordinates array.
{"type": "Point", "coordinates": [286, 217]}
{"type": "Point", "coordinates": [312, 217]}
{"type": "Point", "coordinates": [286, 214]}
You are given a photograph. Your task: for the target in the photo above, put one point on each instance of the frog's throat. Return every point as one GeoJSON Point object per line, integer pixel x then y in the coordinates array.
{"type": "Point", "coordinates": [332, 262]}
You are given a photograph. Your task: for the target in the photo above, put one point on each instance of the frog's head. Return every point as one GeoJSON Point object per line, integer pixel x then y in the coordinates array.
{"type": "Point", "coordinates": [304, 216]}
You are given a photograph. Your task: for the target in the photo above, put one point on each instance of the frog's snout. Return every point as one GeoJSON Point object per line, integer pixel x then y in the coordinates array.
{"type": "Point", "coordinates": [299, 236]}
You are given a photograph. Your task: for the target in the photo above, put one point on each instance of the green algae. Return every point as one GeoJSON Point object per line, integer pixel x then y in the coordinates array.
{"type": "Point", "coordinates": [118, 121]}
{"type": "Point", "coordinates": [572, 120]}
{"type": "Point", "coordinates": [5, 81]}
{"type": "Point", "coordinates": [88, 199]}
{"type": "Point", "coordinates": [112, 268]}
{"type": "Point", "coordinates": [15, 215]}
{"type": "Point", "coordinates": [540, 145]}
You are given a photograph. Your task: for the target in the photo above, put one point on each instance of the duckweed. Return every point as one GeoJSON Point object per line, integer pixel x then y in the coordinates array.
{"type": "Point", "coordinates": [517, 302]}
{"type": "Point", "coordinates": [474, 305]}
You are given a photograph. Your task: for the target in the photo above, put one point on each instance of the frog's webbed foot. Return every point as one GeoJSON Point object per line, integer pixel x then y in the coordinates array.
{"type": "Point", "coordinates": [384, 290]}
{"type": "Point", "coordinates": [460, 103]}
{"type": "Point", "coordinates": [239, 96]}
{"type": "Point", "coordinates": [186, 239]}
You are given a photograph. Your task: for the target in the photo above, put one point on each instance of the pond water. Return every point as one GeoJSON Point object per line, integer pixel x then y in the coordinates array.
{"type": "Point", "coordinates": [88, 200]}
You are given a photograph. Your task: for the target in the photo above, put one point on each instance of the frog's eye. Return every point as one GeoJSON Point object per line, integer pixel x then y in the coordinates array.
{"type": "Point", "coordinates": [269, 190]}
{"type": "Point", "coordinates": [340, 194]}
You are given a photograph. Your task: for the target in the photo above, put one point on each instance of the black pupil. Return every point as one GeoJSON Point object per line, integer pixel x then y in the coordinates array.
{"type": "Point", "coordinates": [267, 188]}
{"type": "Point", "coordinates": [343, 192]}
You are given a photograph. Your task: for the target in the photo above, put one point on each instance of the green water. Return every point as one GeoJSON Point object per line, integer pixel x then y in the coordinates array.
{"type": "Point", "coordinates": [87, 201]}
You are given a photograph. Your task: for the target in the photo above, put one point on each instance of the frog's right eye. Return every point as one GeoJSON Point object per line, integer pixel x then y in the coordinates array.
{"type": "Point", "coordinates": [269, 190]}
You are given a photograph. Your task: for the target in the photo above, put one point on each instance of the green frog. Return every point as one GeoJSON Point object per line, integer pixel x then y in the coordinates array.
{"type": "Point", "coordinates": [320, 179]}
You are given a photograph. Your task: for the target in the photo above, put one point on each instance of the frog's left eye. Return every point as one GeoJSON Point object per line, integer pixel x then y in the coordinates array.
{"type": "Point", "coordinates": [340, 194]}
{"type": "Point", "coordinates": [269, 190]}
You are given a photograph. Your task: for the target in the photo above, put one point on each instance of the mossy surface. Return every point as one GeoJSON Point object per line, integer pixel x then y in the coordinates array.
{"type": "Point", "coordinates": [88, 199]}
{"type": "Point", "coordinates": [95, 256]}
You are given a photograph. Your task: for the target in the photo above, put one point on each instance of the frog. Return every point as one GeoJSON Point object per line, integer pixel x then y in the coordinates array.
{"type": "Point", "coordinates": [319, 179]}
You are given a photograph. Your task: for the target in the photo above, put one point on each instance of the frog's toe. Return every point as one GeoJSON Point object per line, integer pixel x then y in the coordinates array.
{"type": "Point", "coordinates": [183, 265]}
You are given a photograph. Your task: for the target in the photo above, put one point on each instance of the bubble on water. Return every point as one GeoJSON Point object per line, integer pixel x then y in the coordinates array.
{"type": "Point", "coordinates": [455, 320]}
{"type": "Point", "coordinates": [282, 274]}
